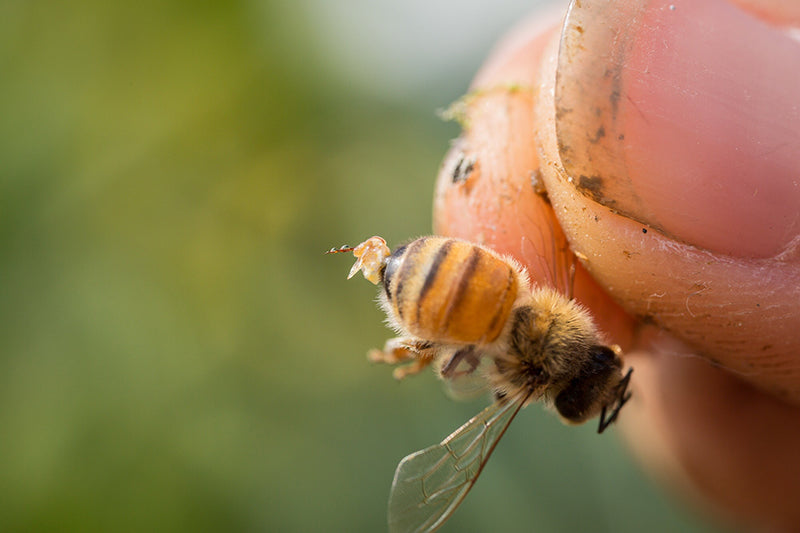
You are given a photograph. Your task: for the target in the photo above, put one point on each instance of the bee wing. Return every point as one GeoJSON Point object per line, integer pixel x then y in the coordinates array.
{"type": "Point", "coordinates": [467, 381]}
{"type": "Point", "coordinates": [466, 387]}
{"type": "Point", "coordinates": [549, 250]}
{"type": "Point", "coordinates": [430, 484]}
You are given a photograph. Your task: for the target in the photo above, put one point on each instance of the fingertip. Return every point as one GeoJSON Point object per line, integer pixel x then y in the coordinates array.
{"type": "Point", "coordinates": [683, 115]}
{"type": "Point", "coordinates": [739, 312]}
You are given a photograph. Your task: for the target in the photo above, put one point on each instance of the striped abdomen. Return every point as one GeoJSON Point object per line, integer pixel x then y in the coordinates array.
{"type": "Point", "coordinates": [448, 290]}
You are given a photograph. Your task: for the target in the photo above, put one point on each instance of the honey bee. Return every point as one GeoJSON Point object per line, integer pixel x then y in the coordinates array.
{"type": "Point", "coordinates": [474, 313]}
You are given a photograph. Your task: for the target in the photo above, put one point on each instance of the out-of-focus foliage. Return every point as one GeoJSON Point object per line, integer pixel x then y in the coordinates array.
{"type": "Point", "coordinates": [176, 353]}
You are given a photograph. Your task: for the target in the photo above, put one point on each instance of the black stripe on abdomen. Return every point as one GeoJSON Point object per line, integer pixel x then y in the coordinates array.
{"type": "Point", "coordinates": [433, 271]}
{"type": "Point", "coordinates": [396, 264]}
{"type": "Point", "coordinates": [471, 264]}
{"type": "Point", "coordinates": [392, 263]}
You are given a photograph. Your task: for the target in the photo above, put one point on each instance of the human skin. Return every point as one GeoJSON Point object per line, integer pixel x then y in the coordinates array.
{"type": "Point", "coordinates": [667, 136]}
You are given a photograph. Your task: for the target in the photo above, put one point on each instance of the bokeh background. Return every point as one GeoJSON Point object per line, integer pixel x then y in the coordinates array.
{"type": "Point", "coordinates": [176, 354]}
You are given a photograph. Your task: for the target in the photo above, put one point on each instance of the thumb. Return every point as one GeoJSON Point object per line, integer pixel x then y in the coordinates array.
{"type": "Point", "coordinates": [679, 126]}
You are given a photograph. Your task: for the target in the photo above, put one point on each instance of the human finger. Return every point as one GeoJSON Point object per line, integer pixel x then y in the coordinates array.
{"type": "Point", "coordinates": [683, 149]}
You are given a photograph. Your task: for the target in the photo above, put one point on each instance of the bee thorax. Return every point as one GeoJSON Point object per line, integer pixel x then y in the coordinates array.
{"type": "Point", "coordinates": [548, 344]}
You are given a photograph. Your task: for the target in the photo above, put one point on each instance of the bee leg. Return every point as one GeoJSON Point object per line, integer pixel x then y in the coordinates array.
{"type": "Point", "coordinates": [417, 366]}
{"type": "Point", "coordinates": [468, 355]}
{"type": "Point", "coordinates": [400, 350]}
{"type": "Point", "coordinates": [396, 350]}
{"type": "Point", "coordinates": [622, 397]}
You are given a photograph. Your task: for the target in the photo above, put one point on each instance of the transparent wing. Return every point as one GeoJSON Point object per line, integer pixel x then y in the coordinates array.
{"type": "Point", "coordinates": [467, 381]}
{"type": "Point", "coordinates": [466, 387]}
{"type": "Point", "coordinates": [550, 258]}
{"type": "Point", "coordinates": [562, 267]}
{"type": "Point", "coordinates": [429, 485]}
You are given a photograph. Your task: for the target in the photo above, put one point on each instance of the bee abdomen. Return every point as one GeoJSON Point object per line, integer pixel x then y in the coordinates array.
{"type": "Point", "coordinates": [447, 290]}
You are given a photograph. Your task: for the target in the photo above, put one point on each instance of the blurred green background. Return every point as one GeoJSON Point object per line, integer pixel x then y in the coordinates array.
{"type": "Point", "coordinates": [177, 354]}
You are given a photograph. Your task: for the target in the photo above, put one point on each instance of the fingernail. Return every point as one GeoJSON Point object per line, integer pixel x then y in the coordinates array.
{"type": "Point", "coordinates": [685, 116]}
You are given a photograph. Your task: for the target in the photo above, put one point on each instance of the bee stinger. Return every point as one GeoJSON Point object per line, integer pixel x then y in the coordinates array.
{"type": "Point", "coordinates": [460, 304]}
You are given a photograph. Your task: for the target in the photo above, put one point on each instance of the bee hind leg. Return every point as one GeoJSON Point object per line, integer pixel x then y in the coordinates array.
{"type": "Point", "coordinates": [417, 353]}
{"type": "Point", "coordinates": [453, 368]}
